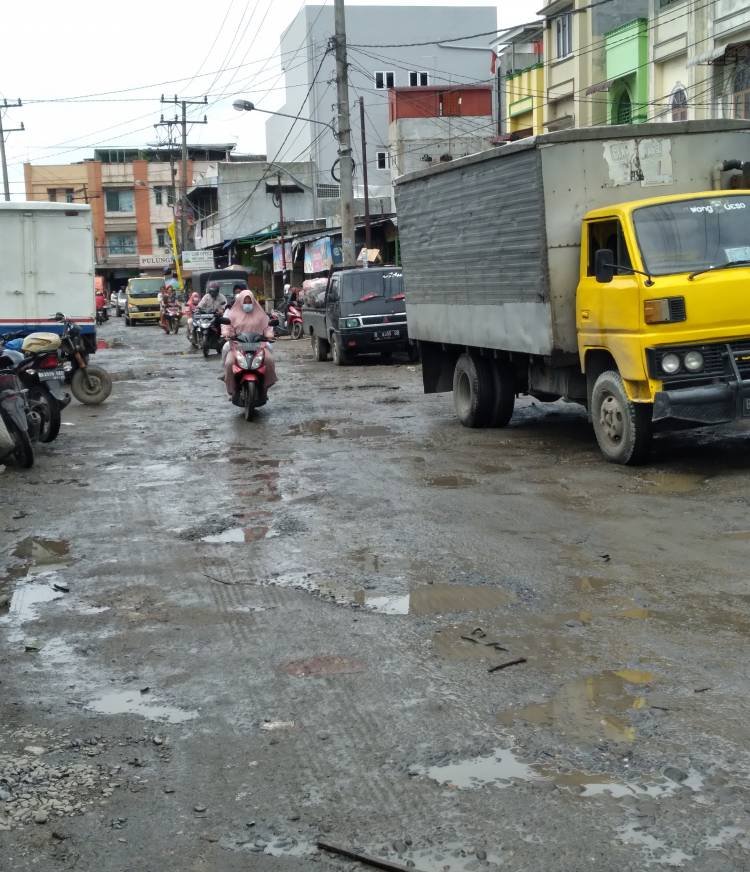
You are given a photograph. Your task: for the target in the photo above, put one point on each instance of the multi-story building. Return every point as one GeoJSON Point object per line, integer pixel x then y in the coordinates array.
{"type": "Point", "coordinates": [700, 54]}
{"type": "Point", "coordinates": [592, 62]}
{"type": "Point", "coordinates": [373, 70]}
{"type": "Point", "coordinates": [132, 196]}
{"type": "Point", "coordinates": [520, 62]}
{"type": "Point", "coordinates": [436, 123]}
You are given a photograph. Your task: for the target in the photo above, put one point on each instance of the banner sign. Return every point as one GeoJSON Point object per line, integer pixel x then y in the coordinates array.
{"type": "Point", "coordinates": [278, 261]}
{"type": "Point", "coordinates": [318, 255]}
{"type": "Point", "coordinates": [154, 261]}
{"type": "Point", "coordinates": [203, 259]}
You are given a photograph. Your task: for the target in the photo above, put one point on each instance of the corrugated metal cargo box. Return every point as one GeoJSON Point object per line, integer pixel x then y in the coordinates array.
{"type": "Point", "coordinates": [491, 242]}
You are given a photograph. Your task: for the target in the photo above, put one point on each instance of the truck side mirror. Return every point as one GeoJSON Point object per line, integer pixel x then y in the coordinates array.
{"type": "Point", "coordinates": [604, 265]}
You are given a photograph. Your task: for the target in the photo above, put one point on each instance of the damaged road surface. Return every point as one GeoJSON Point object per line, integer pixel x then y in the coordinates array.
{"type": "Point", "coordinates": [354, 623]}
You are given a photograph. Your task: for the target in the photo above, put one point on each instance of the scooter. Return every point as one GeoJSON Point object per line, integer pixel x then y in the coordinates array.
{"type": "Point", "coordinates": [90, 384]}
{"type": "Point", "coordinates": [15, 438]}
{"type": "Point", "coordinates": [43, 377]}
{"type": "Point", "coordinates": [172, 315]}
{"type": "Point", "coordinates": [290, 324]}
{"type": "Point", "coordinates": [249, 369]}
{"type": "Point", "coordinates": [208, 330]}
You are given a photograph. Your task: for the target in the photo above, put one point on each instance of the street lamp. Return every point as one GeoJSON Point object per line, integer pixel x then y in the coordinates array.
{"type": "Point", "coordinates": [246, 106]}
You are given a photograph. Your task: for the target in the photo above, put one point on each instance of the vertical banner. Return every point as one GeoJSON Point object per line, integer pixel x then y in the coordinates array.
{"type": "Point", "coordinates": [172, 231]}
{"type": "Point", "coordinates": [278, 260]}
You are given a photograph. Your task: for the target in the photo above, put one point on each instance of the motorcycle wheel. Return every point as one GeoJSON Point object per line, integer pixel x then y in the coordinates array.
{"type": "Point", "coordinates": [50, 414]}
{"type": "Point", "coordinates": [206, 349]}
{"type": "Point", "coordinates": [297, 330]}
{"type": "Point", "coordinates": [23, 453]}
{"type": "Point", "coordinates": [91, 385]}
{"type": "Point", "coordinates": [176, 326]}
{"type": "Point", "coordinates": [250, 391]}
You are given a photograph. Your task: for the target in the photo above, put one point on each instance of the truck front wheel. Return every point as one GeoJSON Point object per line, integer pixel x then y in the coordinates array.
{"type": "Point", "coordinates": [505, 394]}
{"type": "Point", "coordinates": [473, 391]}
{"type": "Point", "coordinates": [622, 428]}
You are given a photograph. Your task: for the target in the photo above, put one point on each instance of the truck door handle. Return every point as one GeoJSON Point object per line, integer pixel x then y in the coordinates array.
{"type": "Point", "coordinates": [15, 293]}
{"type": "Point", "coordinates": [585, 315]}
{"type": "Point", "coordinates": [45, 293]}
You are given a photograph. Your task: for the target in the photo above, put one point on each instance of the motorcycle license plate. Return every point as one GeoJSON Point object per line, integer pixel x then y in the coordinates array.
{"type": "Point", "coordinates": [47, 374]}
{"type": "Point", "coordinates": [386, 334]}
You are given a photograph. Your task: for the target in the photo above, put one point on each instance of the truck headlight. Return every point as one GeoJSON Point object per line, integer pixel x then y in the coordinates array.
{"type": "Point", "coordinates": [670, 363]}
{"type": "Point", "coordinates": [349, 322]}
{"type": "Point", "coordinates": [133, 308]}
{"type": "Point", "coordinates": [693, 361]}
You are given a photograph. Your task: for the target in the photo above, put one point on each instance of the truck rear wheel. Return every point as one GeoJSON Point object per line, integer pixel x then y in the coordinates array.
{"type": "Point", "coordinates": [319, 347]}
{"type": "Point", "coordinates": [505, 394]}
{"type": "Point", "coordinates": [622, 428]}
{"type": "Point", "coordinates": [473, 391]}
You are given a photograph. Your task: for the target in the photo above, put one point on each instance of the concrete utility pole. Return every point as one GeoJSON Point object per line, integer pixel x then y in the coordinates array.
{"type": "Point", "coordinates": [281, 228]}
{"type": "Point", "coordinates": [349, 257]}
{"type": "Point", "coordinates": [7, 105]}
{"type": "Point", "coordinates": [368, 229]}
{"type": "Point", "coordinates": [183, 174]}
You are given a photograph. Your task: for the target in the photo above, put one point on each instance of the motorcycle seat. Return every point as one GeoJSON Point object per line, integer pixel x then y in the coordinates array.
{"type": "Point", "coordinates": [36, 342]}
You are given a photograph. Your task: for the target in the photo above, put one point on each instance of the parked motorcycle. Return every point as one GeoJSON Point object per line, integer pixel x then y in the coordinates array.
{"type": "Point", "coordinates": [90, 384]}
{"type": "Point", "coordinates": [43, 377]}
{"type": "Point", "coordinates": [290, 324]}
{"type": "Point", "coordinates": [207, 328]}
{"type": "Point", "coordinates": [15, 438]}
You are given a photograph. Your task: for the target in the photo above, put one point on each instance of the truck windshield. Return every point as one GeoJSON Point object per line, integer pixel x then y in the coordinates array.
{"type": "Point", "coordinates": [693, 235]}
{"type": "Point", "coordinates": [145, 288]}
{"type": "Point", "coordinates": [372, 283]}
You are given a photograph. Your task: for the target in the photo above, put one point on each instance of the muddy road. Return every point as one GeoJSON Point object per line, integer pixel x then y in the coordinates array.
{"type": "Point", "coordinates": [223, 641]}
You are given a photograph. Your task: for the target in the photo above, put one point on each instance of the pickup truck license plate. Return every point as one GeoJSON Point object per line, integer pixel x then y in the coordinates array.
{"type": "Point", "coordinates": [386, 334]}
{"type": "Point", "coordinates": [47, 374]}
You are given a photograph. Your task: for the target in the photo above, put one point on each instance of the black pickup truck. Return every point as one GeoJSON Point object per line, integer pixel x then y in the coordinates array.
{"type": "Point", "coordinates": [364, 312]}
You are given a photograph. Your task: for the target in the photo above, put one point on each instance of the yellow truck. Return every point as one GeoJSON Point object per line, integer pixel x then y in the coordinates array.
{"type": "Point", "coordinates": [142, 300]}
{"type": "Point", "coordinates": [608, 266]}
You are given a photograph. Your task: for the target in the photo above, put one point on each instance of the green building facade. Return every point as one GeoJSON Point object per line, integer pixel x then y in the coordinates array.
{"type": "Point", "coordinates": [627, 67]}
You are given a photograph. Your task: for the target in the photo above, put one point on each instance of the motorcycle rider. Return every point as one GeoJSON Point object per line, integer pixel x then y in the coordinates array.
{"type": "Point", "coordinates": [166, 298]}
{"type": "Point", "coordinates": [192, 305]}
{"type": "Point", "coordinates": [213, 300]}
{"type": "Point", "coordinates": [247, 316]}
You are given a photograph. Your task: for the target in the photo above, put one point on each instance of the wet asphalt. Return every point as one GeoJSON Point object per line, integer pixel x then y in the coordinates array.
{"type": "Point", "coordinates": [224, 641]}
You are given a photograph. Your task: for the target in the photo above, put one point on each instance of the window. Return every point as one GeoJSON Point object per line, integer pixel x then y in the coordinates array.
{"type": "Point", "coordinates": [119, 200]}
{"type": "Point", "coordinates": [419, 79]}
{"type": "Point", "coordinates": [741, 97]}
{"type": "Point", "coordinates": [383, 160]}
{"type": "Point", "coordinates": [328, 191]}
{"type": "Point", "coordinates": [121, 243]}
{"type": "Point", "coordinates": [161, 238]}
{"type": "Point", "coordinates": [679, 105]}
{"type": "Point", "coordinates": [69, 195]}
{"type": "Point", "coordinates": [607, 234]}
{"type": "Point", "coordinates": [564, 34]}
{"type": "Point", "coordinates": [52, 195]}
{"type": "Point", "coordinates": [158, 195]}
{"type": "Point", "coordinates": [384, 80]}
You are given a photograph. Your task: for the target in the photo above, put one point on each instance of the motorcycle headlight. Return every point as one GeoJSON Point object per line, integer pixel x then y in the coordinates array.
{"type": "Point", "coordinates": [239, 356]}
{"type": "Point", "coordinates": [670, 363]}
{"type": "Point", "coordinates": [693, 361]}
{"type": "Point", "coordinates": [258, 359]}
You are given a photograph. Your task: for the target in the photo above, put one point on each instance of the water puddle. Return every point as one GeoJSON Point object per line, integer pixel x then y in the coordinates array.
{"type": "Point", "coordinates": [591, 584]}
{"type": "Point", "coordinates": [449, 481]}
{"type": "Point", "coordinates": [364, 432]}
{"type": "Point", "coordinates": [589, 708]}
{"type": "Point", "coordinates": [319, 427]}
{"type": "Point", "coordinates": [723, 837]}
{"type": "Point", "coordinates": [451, 857]}
{"type": "Point", "coordinates": [38, 552]}
{"type": "Point", "coordinates": [503, 767]}
{"type": "Point", "coordinates": [237, 534]}
{"type": "Point", "coordinates": [25, 599]}
{"type": "Point", "coordinates": [671, 482]}
{"type": "Point", "coordinates": [658, 852]}
{"type": "Point", "coordinates": [131, 702]}
{"type": "Point", "coordinates": [290, 848]}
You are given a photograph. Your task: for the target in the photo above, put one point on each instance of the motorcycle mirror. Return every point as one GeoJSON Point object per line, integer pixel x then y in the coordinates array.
{"type": "Point", "coordinates": [58, 316]}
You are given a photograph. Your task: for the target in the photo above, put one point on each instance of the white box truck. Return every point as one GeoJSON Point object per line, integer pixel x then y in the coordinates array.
{"type": "Point", "coordinates": [46, 266]}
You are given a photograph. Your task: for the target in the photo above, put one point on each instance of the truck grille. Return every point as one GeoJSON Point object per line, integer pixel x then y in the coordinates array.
{"type": "Point", "coordinates": [381, 320]}
{"type": "Point", "coordinates": [718, 363]}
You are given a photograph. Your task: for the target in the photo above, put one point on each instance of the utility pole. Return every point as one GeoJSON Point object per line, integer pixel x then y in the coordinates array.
{"type": "Point", "coordinates": [368, 229]}
{"type": "Point", "coordinates": [349, 257]}
{"type": "Point", "coordinates": [183, 174]}
{"type": "Point", "coordinates": [7, 105]}
{"type": "Point", "coordinates": [281, 229]}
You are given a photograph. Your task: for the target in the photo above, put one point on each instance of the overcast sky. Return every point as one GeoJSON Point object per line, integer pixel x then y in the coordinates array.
{"type": "Point", "coordinates": [53, 51]}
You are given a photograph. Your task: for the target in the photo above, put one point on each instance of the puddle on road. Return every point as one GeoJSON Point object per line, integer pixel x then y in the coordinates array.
{"type": "Point", "coordinates": [591, 584]}
{"type": "Point", "coordinates": [25, 599]}
{"type": "Point", "coordinates": [449, 481]}
{"type": "Point", "coordinates": [452, 857]}
{"type": "Point", "coordinates": [36, 551]}
{"type": "Point", "coordinates": [589, 708]}
{"type": "Point", "coordinates": [317, 427]}
{"type": "Point", "coordinates": [237, 534]}
{"type": "Point", "coordinates": [670, 482]}
{"type": "Point", "coordinates": [290, 848]}
{"type": "Point", "coordinates": [659, 853]}
{"type": "Point", "coordinates": [364, 432]}
{"type": "Point", "coordinates": [131, 702]}
{"type": "Point", "coordinates": [503, 767]}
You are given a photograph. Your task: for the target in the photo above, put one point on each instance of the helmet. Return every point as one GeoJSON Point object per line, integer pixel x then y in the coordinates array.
{"type": "Point", "coordinates": [213, 289]}
{"type": "Point", "coordinates": [166, 271]}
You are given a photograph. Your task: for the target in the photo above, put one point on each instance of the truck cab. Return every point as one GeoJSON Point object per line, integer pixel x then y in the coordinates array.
{"type": "Point", "coordinates": [364, 312]}
{"type": "Point", "coordinates": [662, 304]}
{"type": "Point", "coordinates": [142, 300]}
